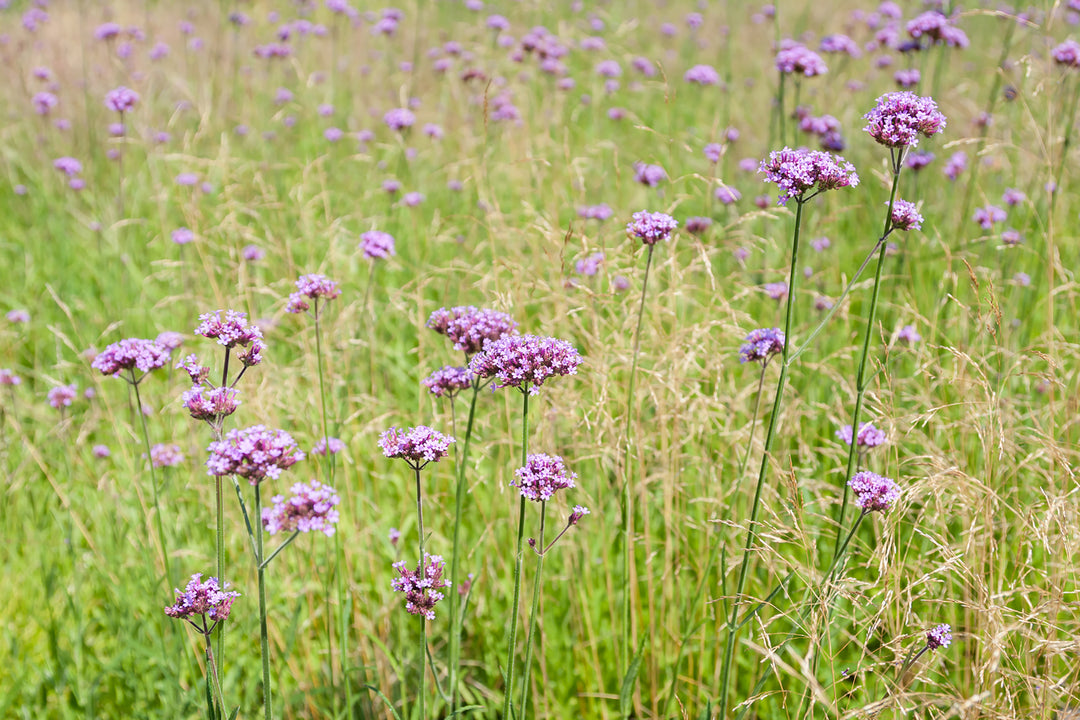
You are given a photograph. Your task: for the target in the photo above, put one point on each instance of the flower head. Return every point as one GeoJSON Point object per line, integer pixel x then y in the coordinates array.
{"type": "Point", "coordinates": [576, 514]}
{"type": "Point", "coordinates": [417, 446]}
{"type": "Point", "coordinates": [900, 117]}
{"type": "Point", "coordinates": [873, 491]}
{"type": "Point", "coordinates": [651, 228]}
{"type": "Point", "coordinates": [170, 340]}
{"type": "Point", "coordinates": [121, 99]}
{"type": "Point", "coordinates": [702, 75]}
{"type": "Point", "coordinates": [255, 453]}
{"type": "Point", "coordinates": [905, 216]}
{"type": "Point", "coordinates": [762, 344]}
{"type": "Point", "coordinates": [311, 287]}
{"type": "Point", "coordinates": [796, 172]}
{"type": "Point", "coordinates": [542, 476]}
{"type": "Point", "coordinates": [448, 381]}
{"type": "Point", "coordinates": [9, 378]}
{"type": "Point", "coordinates": [939, 637]}
{"type": "Point", "coordinates": [801, 60]}
{"type": "Point", "coordinates": [909, 334]}
{"type": "Point", "coordinates": [328, 445]}
{"type": "Point", "coordinates": [869, 436]}
{"type": "Point", "coordinates": [68, 165]}
{"type": "Point", "coordinates": [233, 331]}
{"type": "Point", "coordinates": [987, 216]}
{"type": "Point", "coordinates": [1067, 54]}
{"type": "Point", "coordinates": [203, 598]}
{"type": "Point", "coordinates": [310, 507]}
{"type": "Point", "coordinates": [649, 175]}
{"type": "Point", "coordinates": [166, 455]}
{"type": "Point", "coordinates": [399, 119]}
{"type": "Point", "coordinates": [376, 244]}
{"type": "Point", "coordinates": [129, 354]}
{"type": "Point", "coordinates": [211, 404]}
{"type": "Point", "coordinates": [421, 586]}
{"type": "Point", "coordinates": [525, 361]}
{"type": "Point", "coordinates": [62, 395]}
{"type": "Point", "coordinates": [469, 327]}
{"type": "Point", "coordinates": [590, 265]}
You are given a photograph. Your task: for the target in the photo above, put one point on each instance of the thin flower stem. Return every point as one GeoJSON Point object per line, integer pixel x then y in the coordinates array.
{"type": "Point", "coordinates": [220, 542]}
{"type": "Point", "coordinates": [158, 525]}
{"type": "Point", "coordinates": [456, 619]}
{"type": "Point", "coordinates": [628, 512]}
{"type": "Point", "coordinates": [264, 640]}
{"type": "Point", "coordinates": [508, 697]}
{"type": "Point", "coordinates": [423, 620]}
{"type": "Point", "coordinates": [255, 553]}
{"type": "Point", "coordinates": [537, 586]}
{"type": "Point", "coordinates": [328, 456]}
{"type": "Point", "coordinates": [729, 647]}
{"type": "Point", "coordinates": [282, 546]}
{"type": "Point", "coordinates": [212, 677]}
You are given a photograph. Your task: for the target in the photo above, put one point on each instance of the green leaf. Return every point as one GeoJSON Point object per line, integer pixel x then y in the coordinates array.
{"type": "Point", "coordinates": [627, 693]}
{"type": "Point", "coordinates": [385, 699]}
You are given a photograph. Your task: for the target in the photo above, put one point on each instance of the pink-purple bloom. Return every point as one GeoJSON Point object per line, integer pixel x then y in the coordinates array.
{"type": "Point", "coordinates": [421, 586]}
{"type": "Point", "coordinates": [376, 244]}
{"type": "Point", "coordinates": [649, 175]}
{"type": "Point", "coordinates": [905, 216]}
{"type": "Point", "coordinates": [702, 75]}
{"type": "Point", "coordinates": [869, 436]}
{"type": "Point", "coordinates": [795, 58]}
{"type": "Point", "coordinates": [939, 637]}
{"type": "Point", "coordinates": [417, 446]}
{"type": "Point", "coordinates": [469, 328]}
{"type": "Point", "coordinates": [874, 492]}
{"type": "Point", "coordinates": [988, 216]}
{"type": "Point", "coordinates": [796, 172]}
{"type": "Point", "coordinates": [761, 344]}
{"type": "Point", "coordinates": [542, 476]}
{"type": "Point", "coordinates": [525, 362]}
{"type": "Point", "coordinates": [121, 100]}
{"type": "Point", "coordinates": [166, 455]}
{"type": "Point", "coordinates": [61, 396]}
{"type": "Point", "coordinates": [199, 598]}
{"type": "Point", "coordinates": [651, 228]}
{"type": "Point", "coordinates": [255, 453]}
{"type": "Point", "coordinates": [131, 354]}
{"type": "Point", "coordinates": [312, 287]}
{"type": "Point", "coordinates": [448, 381]}
{"type": "Point", "coordinates": [232, 331]}
{"type": "Point", "coordinates": [399, 119]}
{"type": "Point", "coordinates": [9, 378]}
{"type": "Point", "coordinates": [1067, 54]}
{"type": "Point", "coordinates": [900, 117]}
{"type": "Point", "coordinates": [210, 404]}
{"type": "Point", "coordinates": [909, 335]}
{"type": "Point", "coordinates": [310, 508]}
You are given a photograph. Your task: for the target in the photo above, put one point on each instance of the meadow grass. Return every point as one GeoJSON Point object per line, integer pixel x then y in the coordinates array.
{"type": "Point", "coordinates": [981, 413]}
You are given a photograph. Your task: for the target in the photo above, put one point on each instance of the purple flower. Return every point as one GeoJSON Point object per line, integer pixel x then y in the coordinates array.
{"type": "Point", "coordinates": [542, 476]}
{"type": "Point", "coordinates": [121, 99]}
{"type": "Point", "coordinates": [761, 345]}
{"type": "Point", "coordinates": [907, 78]}
{"type": "Point", "coordinates": [399, 119]}
{"type": "Point", "coordinates": [649, 175]}
{"type": "Point", "coordinates": [170, 340]}
{"type": "Point", "coordinates": [698, 225]}
{"type": "Point", "coordinates": [956, 164]}
{"type": "Point", "coordinates": [469, 328]}
{"type": "Point", "coordinates": [210, 404]}
{"type": "Point", "coordinates": [309, 508]}
{"type": "Point", "coordinates": [412, 199]}
{"type": "Point", "coordinates": [590, 265]}
{"type": "Point", "coordinates": [195, 371]}
{"type": "Point", "coordinates": [987, 216]}
{"type": "Point", "coordinates": [1013, 197]}
{"type": "Point", "coordinates": [421, 586]}
{"type": "Point", "coordinates": [651, 228]}
{"type": "Point", "coordinates": [576, 514]}
{"type": "Point", "coordinates": [393, 536]}
{"type": "Point", "coordinates": [900, 117]}
{"type": "Point", "coordinates": [166, 455]}
{"type": "Point", "coordinates": [776, 290]}
{"type": "Point", "coordinates": [644, 66]}
{"type": "Point", "coordinates": [376, 244]}
{"type": "Point", "coordinates": [909, 335]}
{"type": "Point", "coordinates": [727, 195]}
{"type": "Point", "coordinates": [44, 102]}
{"type": "Point", "coordinates": [702, 75]}
{"type": "Point", "coordinates": [101, 451]}
{"type": "Point", "coordinates": [873, 491]}
{"type": "Point", "coordinates": [68, 165]}
{"type": "Point", "coordinates": [939, 637]}
{"type": "Point", "coordinates": [255, 453]}
{"type": "Point", "coordinates": [869, 436]}
{"type": "Point", "coordinates": [839, 44]}
{"type": "Point", "coordinates": [905, 216]}
{"type": "Point", "coordinates": [608, 69]}
{"type": "Point", "coordinates": [233, 331]}
{"type": "Point", "coordinates": [312, 287]}
{"type": "Point", "coordinates": [796, 172]}
{"type": "Point", "coordinates": [202, 599]}
{"type": "Point", "coordinates": [797, 58]}
{"type": "Point", "coordinates": [417, 446]}
{"type": "Point", "coordinates": [62, 395]}
{"type": "Point", "coordinates": [332, 446]}
{"type": "Point", "coordinates": [187, 179]}
{"type": "Point", "coordinates": [448, 381]}
{"type": "Point", "coordinates": [182, 236]}
{"type": "Point", "coordinates": [525, 361]}
{"type": "Point", "coordinates": [1067, 54]}
{"type": "Point", "coordinates": [938, 29]}
{"type": "Point", "coordinates": [595, 212]}
{"type": "Point", "coordinates": [820, 244]}
{"type": "Point", "coordinates": [129, 354]}
{"type": "Point", "coordinates": [253, 253]}
{"type": "Point", "coordinates": [9, 378]}
{"type": "Point", "coordinates": [713, 152]}
{"type": "Point", "coordinates": [1012, 237]}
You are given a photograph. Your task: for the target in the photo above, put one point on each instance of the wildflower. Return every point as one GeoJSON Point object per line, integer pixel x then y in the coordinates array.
{"type": "Point", "coordinates": [698, 225]}
{"type": "Point", "coordinates": [987, 216]}
{"type": "Point", "coordinates": [210, 405]}
{"type": "Point", "coordinates": [233, 331]}
{"type": "Point", "coordinates": [393, 536]}
{"type": "Point", "coordinates": [417, 446]}
{"type": "Point", "coordinates": [312, 287]}
{"type": "Point", "coordinates": [309, 508]}
{"type": "Point", "coordinates": [68, 165]}
{"type": "Point", "coordinates": [938, 29]}
{"type": "Point", "coordinates": [797, 58]}
{"type": "Point", "coordinates": [577, 513]}
{"type": "Point", "coordinates": [777, 290]}
{"type": "Point", "coordinates": [166, 455]}
{"type": "Point", "coordinates": [939, 637]}
{"type": "Point", "coordinates": [412, 199]}
{"type": "Point", "coordinates": [956, 164]}
{"type": "Point", "coordinates": [328, 445]}
{"type": "Point", "coordinates": [121, 99]}
{"type": "Point", "coordinates": [182, 236]}
{"type": "Point", "coordinates": [399, 119]}
{"type": "Point", "coordinates": [187, 179]}
{"type": "Point", "coordinates": [1013, 197]}
{"type": "Point", "coordinates": [1067, 54]}
{"type": "Point", "coordinates": [727, 195]}
{"type": "Point", "coordinates": [873, 491]}
{"type": "Point", "coordinates": [255, 453]}
{"type": "Point", "coordinates": [869, 436]}
{"type": "Point", "coordinates": [595, 212]}
{"type": "Point", "coordinates": [377, 244]}
{"type": "Point", "coordinates": [542, 476]}
{"type": "Point", "coordinates": [762, 344]}
{"type": "Point", "coordinates": [620, 283]}
{"type": "Point", "coordinates": [900, 117]}
{"type": "Point", "coordinates": [101, 451]}
{"type": "Point", "coordinates": [421, 586]}
{"type": "Point", "coordinates": [525, 361]}
{"type": "Point", "coordinates": [909, 335]}
{"type": "Point", "coordinates": [907, 78]}
{"type": "Point", "coordinates": [703, 75]}
{"type": "Point", "coordinates": [469, 328]}
{"type": "Point", "coordinates": [448, 381]}
{"type": "Point", "coordinates": [252, 253]}
{"type": "Point", "coordinates": [905, 216]}
{"type": "Point", "coordinates": [44, 102]}
{"type": "Point", "coordinates": [796, 172]}
{"type": "Point", "coordinates": [1012, 237]}
{"type": "Point", "coordinates": [649, 175]}
{"type": "Point", "coordinates": [820, 244]}
{"type": "Point", "coordinates": [1022, 279]}
{"type": "Point", "coordinates": [61, 395]}
{"type": "Point", "coordinates": [9, 378]}
{"type": "Point", "coordinates": [608, 69]}
{"type": "Point", "coordinates": [208, 598]}
{"type": "Point", "coordinates": [651, 228]}
{"type": "Point", "coordinates": [589, 266]}
{"type": "Point", "coordinates": [131, 354]}
{"type": "Point", "coordinates": [840, 44]}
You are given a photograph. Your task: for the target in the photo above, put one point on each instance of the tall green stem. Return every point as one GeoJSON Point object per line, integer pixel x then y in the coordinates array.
{"type": "Point", "coordinates": [423, 620]}
{"type": "Point", "coordinates": [219, 535]}
{"type": "Point", "coordinates": [537, 586]}
{"type": "Point", "coordinates": [329, 457]}
{"type": "Point", "coordinates": [264, 640]}
{"type": "Point", "coordinates": [729, 647]}
{"type": "Point", "coordinates": [158, 525]}
{"type": "Point", "coordinates": [508, 698]}
{"type": "Point", "coordinates": [455, 563]}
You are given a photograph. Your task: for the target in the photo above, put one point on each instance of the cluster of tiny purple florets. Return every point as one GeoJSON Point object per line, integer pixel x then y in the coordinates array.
{"type": "Point", "coordinates": [202, 598]}
{"type": "Point", "coordinates": [448, 381]}
{"type": "Point", "coordinates": [797, 171]}
{"type": "Point", "coordinates": [311, 507]}
{"type": "Point", "coordinates": [62, 396]}
{"type": "Point", "coordinates": [1067, 54]}
{"type": "Point", "coordinates": [798, 59]}
{"type": "Point", "coordinates": [873, 491]}
{"type": "Point", "coordinates": [399, 119]}
{"type": "Point", "coordinates": [377, 245]}
{"type": "Point", "coordinates": [542, 476]}
{"type": "Point", "coordinates": [938, 29]}
{"type": "Point", "coordinates": [900, 117]}
{"type": "Point", "coordinates": [651, 228]}
{"type": "Point", "coordinates": [421, 586]}
{"type": "Point", "coordinates": [417, 446]}
{"type": "Point", "coordinates": [469, 327]}
{"type": "Point", "coordinates": [311, 287]}
{"type": "Point", "coordinates": [525, 361]}
{"type": "Point", "coordinates": [190, 364]}
{"type": "Point", "coordinates": [210, 404]}
{"type": "Point", "coordinates": [328, 445]}
{"type": "Point", "coordinates": [166, 455]}
{"type": "Point", "coordinates": [255, 453]}
{"type": "Point", "coordinates": [121, 99]}
{"type": "Point", "coordinates": [231, 331]}
{"type": "Point", "coordinates": [939, 637]}
{"type": "Point", "coordinates": [762, 344]}
{"type": "Point", "coordinates": [869, 436]}
{"type": "Point", "coordinates": [131, 353]}
{"type": "Point", "coordinates": [906, 216]}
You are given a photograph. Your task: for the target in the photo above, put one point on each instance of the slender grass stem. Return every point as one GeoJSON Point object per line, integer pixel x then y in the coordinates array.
{"type": "Point", "coordinates": [158, 524]}
{"type": "Point", "coordinates": [508, 698]}
{"type": "Point", "coordinates": [537, 586]}
{"type": "Point", "coordinates": [264, 640]}
{"type": "Point", "coordinates": [423, 620]}
{"type": "Point", "coordinates": [456, 618]}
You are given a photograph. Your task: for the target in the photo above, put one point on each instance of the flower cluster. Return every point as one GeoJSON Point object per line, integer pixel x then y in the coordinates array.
{"type": "Point", "coordinates": [210, 404]}
{"type": "Point", "coordinates": [309, 508]}
{"type": "Point", "coordinates": [166, 455]}
{"type": "Point", "coordinates": [469, 327]}
{"type": "Point", "coordinates": [190, 364]}
{"type": "Point", "coordinates": [254, 453]}
{"type": "Point", "coordinates": [233, 331]}
{"type": "Point", "coordinates": [651, 228]}
{"type": "Point", "coordinates": [9, 378]}
{"type": "Point", "coordinates": [311, 287]}
{"type": "Point", "coordinates": [421, 586]}
{"type": "Point", "coordinates": [900, 117]}
{"type": "Point", "coordinates": [938, 29]}
{"type": "Point", "coordinates": [649, 175]}
{"type": "Point", "coordinates": [448, 381]}
{"type": "Point", "coordinates": [702, 75]}
{"type": "Point", "coordinates": [905, 216]}
{"type": "Point", "coordinates": [203, 598]}
{"type": "Point", "coordinates": [399, 119]}
{"type": "Point", "coordinates": [129, 354]}
{"type": "Point", "coordinates": [796, 172]}
{"type": "Point", "coordinates": [417, 446]}
{"type": "Point", "coordinates": [525, 361]}
{"type": "Point", "coordinates": [873, 491]}
{"type": "Point", "coordinates": [577, 513]}
{"type": "Point", "coordinates": [61, 396]}
{"type": "Point", "coordinates": [121, 99]}
{"type": "Point", "coordinates": [761, 345]}
{"type": "Point", "coordinates": [869, 436]}
{"type": "Point", "coordinates": [1067, 54]}
{"type": "Point", "coordinates": [987, 216]}
{"type": "Point", "coordinates": [542, 476]}
{"type": "Point", "coordinates": [799, 59]}
{"type": "Point", "coordinates": [377, 245]}
{"type": "Point", "coordinates": [939, 637]}
{"type": "Point", "coordinates": [328, 445]}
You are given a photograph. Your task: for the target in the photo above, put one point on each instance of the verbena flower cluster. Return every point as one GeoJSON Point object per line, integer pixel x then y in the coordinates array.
{"type": "Point", "coordinates": [190, 364]}
{"type": "Point", "coordinates": [255, 453]}
{"type": "Point", "coordinates": [166, 455]}
{"type": "Point", "coordinates": [311, 287]}
{"type": "Point", "coordinates": [874, 492]}
{"type": "Point", "coordinates": [232, 331]}
{"type": "Point", "coordinates": [542, 476]}
{"type": "Point", "coordinates": [377, 245]}
{"type": "Point", "coordinates": [762, 344]}
{"type": "Point", "coordinates": [525, 361]}
{"type": "Point", "coordinates": [62, 396]}
{"type": "Point", "coordinates": [939, 636]}
{"type": "Point", "coordinates": [577, 513]}
{"type": "Point", "coordinates": [448, 381]}
{"type": "Point", "coordinates": [417, 446]}
{"type": "Point", "coordinates": [421, 586]}
{"type": "Point", "coordinates": [210, 404]}
{"type": "Point", "coordinates": [131, 353]}
{"type": "Point", "coordinates": [797, 171]}
{"type": "Point", "coordinates": [311, 507]}
{"type": "Point", "coordinates": [905, 216]}
{"type": "Point", "coordinates": [900, 117]}
{"type": "Point", "coordinates": [794, 58]}
{"type": "Point", "coordinates": [121, 99]}
{"type": "Point", "coordinates": [650, 228]}
{"type": "Point", "coordinates": [468, 327]}
{"type": "Point", "coordinates": [869, 436]}
{"type": "Point", "coordinates": [203, 598]}
{"type": "Point", "coordinates": [328, 445]}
